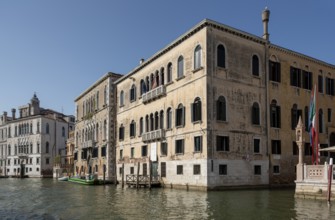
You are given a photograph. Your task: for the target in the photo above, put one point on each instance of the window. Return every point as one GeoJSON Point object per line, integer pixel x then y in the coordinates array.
{"type": "Point", "coordinates": [161, 119]}
{"type": "Point", "coordinates": [275, 114]}
{"type": "Point", "coordinates": [131, 170]}
{"type": "Point", "coordinates": [330, 90]}
{"type": "Point", "coordinates": [63, 132]}
{"type": "Point", "coordinates": [180, 115]}
{"type": "Point", "coordinates": [163, 169]}
{"type": "Point", "coordinates": [198, 144]}
{"type": "Point", "coordinates": [320, 83]}
{"type": "Point", "coordinates": [47, 147]}
{"type": "Point", "coordinates": [329, 115]}
{"type": "Point", "coordinates": [144, 151]}
{"type": "Point", "coordinates": [295, 148]}
{"type": "Point", "coordinates": [103, 151]}
{"type": "Point", "coordinates": [133, 93]}
{"type": "Point", "coordinates": [105, 95]}
{"type": "Point", "coordinates": [274, 71]}
{"type": "Point", "coordinates": [121, 98]}
{"type": "Point", "coordinates": [143, 89]}
{"type": "Point", "coordinates": [222, 169]}
{"type": "Point", "coordinates": [121, 132]}
{"type": "Point", "coordinates": [221, 113]}
{"type": "Point", "coordinates": [196, 169]}
{"type": "Point", "coordinates": [164, 148]}
{"type": "Point", "coordinates": [47, 160]}
{"type": "Point", "coordinates": [132, 129]}
{"type": "Point", "coordinates": [121, 154]}
{"type": "Point", "coordinates": [257, 170]}
{"type": "Point", "coordinates": [308, 149]}
{"type": "Point", "coordinates": [306, 118]}
{"type": "Point", "coordinates": [295, 76]}
{"type": "Point", "coordinates": [276, 169]}
{"type": "Point", "coordinates": [196, 110]}
{"type": "Point", "coordinates": [179, 169]}
{"type": "Point", "coordinates": [179, 146]}
{"type": "Point", "coordinates": [37, 160]}
{"type": "Point", "coordinates": [255, 65]}
{"type": "Point", "coordinates": [257, 145]}
{"type": "Point", "coordinates": [95, 152]}
{"type": "Point", "coordinates": [307, 80]}
{"type": "Point", "coordinates": [221, 56]}
{"type": "Point", "coordinates": [255, 114]}
{"type": "Point", "coordinates": [145, 169]}
{"type": "Point", "coordinates": [162, 76]}
{"type": "Point", "coordinates": [197, 57]}
{"type": "Point", "coordinates": [180, 71]}
{"type": "Point", "coordinates": [295, 114]}
{"type": "Point", "coordinates": [141, 126]}
{"type": "Point", "coordinates": [168, 118]}
{"type": "Point", "coordinates": [222, 143]}
{"type": "Point", "coordinates": [320, 121]}
{"type": "Point", "coordinates": [132, 152]}
{"type": "Point", "coordinates": [47, 128]}
{"type": "Point", "coordinates": [276, 146]}
{"type": "Point", "coordinates": [169, 72]}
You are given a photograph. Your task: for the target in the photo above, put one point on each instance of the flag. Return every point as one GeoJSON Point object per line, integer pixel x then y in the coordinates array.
{"type": "Point", "coordinates": [312, 122]}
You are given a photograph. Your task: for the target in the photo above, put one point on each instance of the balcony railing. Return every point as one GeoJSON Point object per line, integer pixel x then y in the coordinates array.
{"type": "Point", "coordinates": [88, 144]}
{"type": "Point", "coordinates": [153, 94]}
{"type": "Point", "coordinates": [153, 135]}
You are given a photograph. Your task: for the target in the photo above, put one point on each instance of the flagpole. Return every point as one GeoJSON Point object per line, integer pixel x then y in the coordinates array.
{"type": "Point", "coordinates": [317, 124]}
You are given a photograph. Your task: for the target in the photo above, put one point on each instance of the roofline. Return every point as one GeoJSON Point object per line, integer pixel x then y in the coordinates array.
{"type": "Point", "coordinates": [108, 74]}
{"type": "Point", "coordinates": [204, 23]}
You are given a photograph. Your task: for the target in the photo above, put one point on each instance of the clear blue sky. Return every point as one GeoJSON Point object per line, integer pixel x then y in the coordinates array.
{"type": "Point", "coordinates": [59, 48]}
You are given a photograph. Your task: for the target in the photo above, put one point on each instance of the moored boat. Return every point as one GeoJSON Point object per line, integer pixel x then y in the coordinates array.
{"type": "Point", "coordinates": [63, 178]}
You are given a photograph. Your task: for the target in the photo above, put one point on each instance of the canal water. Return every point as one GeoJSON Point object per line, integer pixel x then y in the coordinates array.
{"type": "Point", "coordinates": [49, 199]}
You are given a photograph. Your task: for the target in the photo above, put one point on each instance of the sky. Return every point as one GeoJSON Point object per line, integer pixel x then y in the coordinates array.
{"type": "Point", "coordinates": [57, 49]}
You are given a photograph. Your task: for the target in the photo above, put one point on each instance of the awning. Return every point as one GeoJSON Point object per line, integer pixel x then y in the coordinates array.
{"type": "Point", "coordinates": [330, 149]}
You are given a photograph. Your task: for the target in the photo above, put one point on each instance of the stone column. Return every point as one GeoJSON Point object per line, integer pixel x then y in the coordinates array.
{"type": "Point", "coordinates": [300, 142]}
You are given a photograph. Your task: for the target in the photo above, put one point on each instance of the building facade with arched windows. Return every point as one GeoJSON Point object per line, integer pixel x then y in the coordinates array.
{"type": "Point", "coordinates": [94, 137]}
{"type": "Point", "coordinates": [32, 140]}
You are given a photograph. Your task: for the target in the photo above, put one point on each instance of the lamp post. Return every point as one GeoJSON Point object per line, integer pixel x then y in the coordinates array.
{"type": "Point", "coordinates": [300, 142]}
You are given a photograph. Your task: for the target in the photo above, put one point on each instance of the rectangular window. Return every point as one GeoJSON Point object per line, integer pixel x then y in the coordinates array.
{"type": "Point", "coordinates": [222, 169]}
{"type": "Point", "coordinates": [198, 144]}
{"type": "Point", "coordinates": [295, 148]}
{"type": "Point", "coordinates": [276, 169]}
{"type": "Point", "coordinates": [308, 149]}
{"type": "Point", "coordinates": [163, 169]}
{"type": "Point", "coordinates": [179, 169]}
{"type": "Point", "coordinates": [257, 145]}
{"type": "Point", "coordinates": [164, 148]}
{"type": "Point", "coordinates": [121, 154]}
{"type": "Point", "coordinates": [257, 170]}
{"type": "Point", "coordinates": [295, 76]}
{"type": "Point", "coordinates": [120, 171]}
{"type": "Point", "coordinates": [196, 169]}
{"type": "Point", "coordinates": [274, 71]}
{"type": "Point", "coordinates": [131, 170]}
{"type": "Point", "coordinates": [103, 151]}
{"type": "Point", "coordinates": [320, 84]}
{"type": "Point", "coordinates": [222, 143]}
{"type": "Point", "coordinates": [37, 160]}
{"type": "Point", "coordinates": [330, 89]}
{"type": "Point", "coordinates": [145, 169]}
{"type": "Point", "coordinates": [47, 160]}
{"type": "Point", "coordinates": [180, 116]}
{"type": "Point", "coordinates": [144, 151]}
{"type": "Point", "coordinates": [95, 152]}
{"type": "Point", "coordinates": [121, 133]}
{"type": "Point", "coordinates": [276, 146]}
{"type": "Point", "coordinates": [180, 146]}
{"type": "Point", "coordinates": [132, 152]}
{"type": "Point", "coordinates": [307, 80]}
{"type": "Point", "coordinates": [132, 130]}
{"type": "Point", "coordinates": [329, 115]}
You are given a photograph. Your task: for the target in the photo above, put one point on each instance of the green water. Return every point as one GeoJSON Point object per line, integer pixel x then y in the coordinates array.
{"type": "Point", "coordinates": [50, 199]}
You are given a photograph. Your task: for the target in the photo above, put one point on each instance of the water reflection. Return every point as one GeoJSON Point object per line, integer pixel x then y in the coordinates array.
{"type": "Point", "coordinates": [49, 199]}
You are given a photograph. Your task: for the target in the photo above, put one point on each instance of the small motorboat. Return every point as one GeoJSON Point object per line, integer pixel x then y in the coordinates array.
{"type": "Point", "coordinates": [63, 178]}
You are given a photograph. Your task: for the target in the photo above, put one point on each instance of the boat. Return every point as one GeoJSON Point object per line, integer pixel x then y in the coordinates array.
{"type": "Point", "coordinates": [63, 178]}
{"type": "Point", "coordinates": [83, 181]}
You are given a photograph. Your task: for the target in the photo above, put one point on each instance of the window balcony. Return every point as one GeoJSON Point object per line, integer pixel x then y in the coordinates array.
{"type": "Point", "coordinates": [89, 144]}
{"type": "Point", "coordinates": [153, 94]}
{"type": "Point", "coordinates": [153, 135]}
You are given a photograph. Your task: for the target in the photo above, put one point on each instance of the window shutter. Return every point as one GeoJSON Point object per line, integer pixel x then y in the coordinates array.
{"type": "Point", "coordinates": [192, 112]}
{"type": "Point", "coordinates": [176, 117]}
{"type": "Point", "coordinates": [183, 116]}
{"type": "Point", "coordinates": [278, 118]}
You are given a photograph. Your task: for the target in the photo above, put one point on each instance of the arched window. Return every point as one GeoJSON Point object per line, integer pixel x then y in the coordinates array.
{"type": "Point", "coordinates": [143, 87]}
{"type": "Point", "coordinates": [133, 93]}
{"type": "Point", "coordinates": [105, 130]}
{"type": "Point", "coordinates": [63, 132]}
{"type": "Point", "coordinates": [147, 123]}
{"type": "Point", "coordinates": [47, 128]}
{"type": "Point", "coordinates": [180, 71]}
{"type": "Point", "coordinates": [152, 122]}
{"type": "Point", "coordinates": [47, 147]}
{"type": "Point", "coordinates": [122, 98]}
{"type": "Point", "coordinates": [221, 109]}
{"type": "Point", "coordinates": [180, 115]}
{"type": "Point", "coordinates": [121, 132]}
{"type": "Point", "coordinates": [9, 150]}
{"type": "Point", "coordinates": [274, 114]}
{"type": "Point", "coordinates": [132, 129]}
{"type": "Point", "coordinates": [169, 118]}
{"type": "Point", "coordinates": [295, 114]}
{"type": "Point", "coordinates": [97, 132]}
{"type": "Point", "coordinates": [196, 110]}
{"type": "Point", "coordinates": [156, 121]}
{"type": "Point", "coordinates": [161, 119]}
{"type": "Point", "coordinates": [147, 84]}
{"type": "Point", "coordinates": [255, 65]}
{"type": "Point", "coordinates": [162, 76]}
{"type": "Point", "coordinates": [197, 57]}
{"type": "Point", "coordinates": [255, 114]}
{"type": "Point", "coordinates": [141, 126]}
{"type": "Point", "coordinates": [320, 121]}
{"type": "Point", "coordinates": [169, 72]}
{"type": "Point", "coordinates": [221, 56]}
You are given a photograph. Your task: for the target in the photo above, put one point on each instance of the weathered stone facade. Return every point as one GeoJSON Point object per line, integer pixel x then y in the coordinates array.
{"type": "Point", "coordinates": [94, 132]}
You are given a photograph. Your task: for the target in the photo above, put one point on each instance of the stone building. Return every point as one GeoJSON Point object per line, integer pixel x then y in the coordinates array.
{"type": "Point", "coordinates": [31, 141]}
{"type": "Point", "coordinates": [216, 108]}
{"type": "Point", "coordinates": [94, 132]}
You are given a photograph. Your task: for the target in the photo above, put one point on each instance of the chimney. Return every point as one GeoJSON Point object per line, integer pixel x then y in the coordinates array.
{"type": "Point", "coordinates": [265, 19]}
{"type": "Point", "coordinates": [141, 61]}
{"type": "Point", "coordinates": [4, 116]}
{"type": "Point", "coordinates": [13, 113]}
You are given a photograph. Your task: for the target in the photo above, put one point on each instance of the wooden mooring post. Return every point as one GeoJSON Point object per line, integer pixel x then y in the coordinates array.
{"type": "Point", "coordinates": [150, 173]}
{"type": "Point", "coordinates": [137, 175]}
{"type": "Point", "coordinates": [122, 180]}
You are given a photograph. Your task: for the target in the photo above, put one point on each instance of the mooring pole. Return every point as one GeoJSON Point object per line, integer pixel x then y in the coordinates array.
{"type": "Point", "coordinates": [122, 181]}
{"type": "Point", "coordinates": [330, 177]}
{"type": "Point", "coordinates": [138, 173]}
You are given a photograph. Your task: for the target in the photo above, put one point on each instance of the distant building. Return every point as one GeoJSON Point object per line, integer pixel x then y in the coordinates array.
{"type": "Point", "coordinates": [94, 132]}
{"type": "Point", "coordinates": [217, 108]}
{"type": "Point", "coordinates": [31, 141]}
